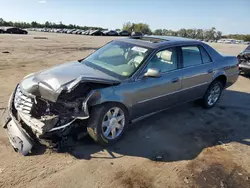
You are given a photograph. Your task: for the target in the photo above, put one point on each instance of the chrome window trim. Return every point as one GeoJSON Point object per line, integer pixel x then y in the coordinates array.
{"type": "Point", "coordinates": [151, 56]}
{"type": "Point", "coordinates": [137, 74]}
{"type": "Point", "coordinates": [146, 100]}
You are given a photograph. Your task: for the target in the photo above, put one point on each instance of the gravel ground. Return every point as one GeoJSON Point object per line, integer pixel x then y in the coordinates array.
{"type": "Point", "coordinates": [185, 146]}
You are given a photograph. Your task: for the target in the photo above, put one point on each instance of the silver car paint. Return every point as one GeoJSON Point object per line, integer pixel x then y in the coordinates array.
{"type": "Point", "coordinates": [138, 93]}
{"type": "Point", "coordinates": [50, 83]}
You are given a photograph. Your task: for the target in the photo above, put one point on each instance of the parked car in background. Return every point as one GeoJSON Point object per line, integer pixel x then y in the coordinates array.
{"type": "Point", "coordinates": [87, 32]}
{"type": "Point", "coordinates": [136, 34]}
{"type": "Point", "coordinates": [14, 30]}
{"type": "Point", "coordinates": [96, 33]}
{"type": "Point", "coordinates": [79, 32]}
{"type": "Point", "coordinates": [239, 41]}
{"type": "Point", "coordinates": [244, 60]}
{"type": "Point", "coordinates": [2, 31]}
{"type": "Point", "coordinates": [122, 82]}
{"type": "Point", "coordinates": [71, 31]}
{"type": "Point", "coordinates": [124, 33]}
{"type": "Point", "coordinates": [75, 31]}
{"type": "Point", "coordinates": [110, 33]}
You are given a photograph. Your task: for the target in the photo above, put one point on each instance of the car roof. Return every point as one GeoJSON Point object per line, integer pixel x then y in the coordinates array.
{"type": "Point", "coordinates": [154, 42]}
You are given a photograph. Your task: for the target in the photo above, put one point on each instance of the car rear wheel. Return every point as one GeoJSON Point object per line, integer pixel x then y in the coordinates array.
{"type": "Point", "coordinates": [107, 123]}
{"type": "Point", "coordinates": [212, 94]}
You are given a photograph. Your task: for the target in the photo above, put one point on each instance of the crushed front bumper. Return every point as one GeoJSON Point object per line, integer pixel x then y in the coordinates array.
{"type": "Point", "coordinates": [18, 137]}
{"type": "Point", "coordinates": [245, 67]}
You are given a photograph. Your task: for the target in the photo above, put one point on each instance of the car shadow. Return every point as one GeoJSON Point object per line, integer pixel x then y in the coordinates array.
{"type": "Point", "coordinates": [180, 133]}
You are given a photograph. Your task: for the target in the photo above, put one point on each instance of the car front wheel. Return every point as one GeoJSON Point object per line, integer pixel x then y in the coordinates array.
{"type": "Point", "coordinates": [212, 94]}
{"type": "Point", "coordinates": [107, 123]}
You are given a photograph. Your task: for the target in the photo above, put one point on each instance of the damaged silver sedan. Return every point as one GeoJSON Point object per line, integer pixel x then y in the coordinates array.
{"type": "Point", "coordinates": [122, 82]}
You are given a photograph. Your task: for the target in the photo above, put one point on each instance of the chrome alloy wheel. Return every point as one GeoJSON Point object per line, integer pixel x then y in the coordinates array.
{"type": "Point", "coordinates": [214, 95]}
{"type": "Point", "coordinates": [113, 123]}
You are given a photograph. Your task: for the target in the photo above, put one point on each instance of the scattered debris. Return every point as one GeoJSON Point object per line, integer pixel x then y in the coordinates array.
{"type": "Point", "coordinates": [220, 142]}
{"type": "Point", "coordinates": [222, 185]}
{"type": "Point", "coordinates": [147, 137]}
{"type": "Point", "coordinates": [240, 174]}
{"type": "Point", "coordinates": [69, 162]}
{"type": "Point", "coordinates": [5, 52]}
{"type": "Point", "coordinates": [1, 170]}
{"type": "Point", "coordinates": [158, 158]}
{"type": "Point", "coordinates": [111, 163]}
{"type": "Point", "coordinates": [40, 38]}
{"type": "Point", "coordinates": [186, 180]}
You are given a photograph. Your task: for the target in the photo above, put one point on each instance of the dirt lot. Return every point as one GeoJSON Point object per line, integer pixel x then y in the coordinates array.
{"type": "Point", "coordinates": [198, 148]}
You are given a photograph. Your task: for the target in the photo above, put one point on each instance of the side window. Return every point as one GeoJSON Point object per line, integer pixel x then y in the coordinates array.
{"type": "Point", "coordinates": [205, 57]}
{"type": "Point", "coordinates": [191, 56]}
{"type": "Point", "coordinates": [164, 61]}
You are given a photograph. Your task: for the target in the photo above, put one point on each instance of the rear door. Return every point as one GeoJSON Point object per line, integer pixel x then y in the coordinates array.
{"type": "Point", "coordinates": [197, 72]}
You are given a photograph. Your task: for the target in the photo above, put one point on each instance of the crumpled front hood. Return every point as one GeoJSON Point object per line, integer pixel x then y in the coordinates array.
{"type": "Point", "coordinates": [49, 83]}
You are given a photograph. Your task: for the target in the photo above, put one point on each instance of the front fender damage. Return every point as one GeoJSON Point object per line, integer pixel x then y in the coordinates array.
{"type": "Point", "coordinates": [50, 122]}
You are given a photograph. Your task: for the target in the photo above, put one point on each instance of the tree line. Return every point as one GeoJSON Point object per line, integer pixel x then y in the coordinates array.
{"type": "Point", "coordinates": [239, 37]}
{"type": "Point", "coordinates": [203, 34]}
{"type": "Point", "coordinates": [209, 34]}
{"type": "Point", "coordinates": [47, 24]}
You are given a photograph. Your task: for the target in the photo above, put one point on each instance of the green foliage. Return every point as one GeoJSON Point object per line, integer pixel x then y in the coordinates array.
{"type": "Point", "coordinates": [137, 27]}
{"type": "Point", "coordinates": [127, 26]}
{"type": "Point", "coordinates": [239, 37]}
{"type": "Point", "coordinates": [47, 24]}
{"type": "Point", "coordinates": [210, 34]}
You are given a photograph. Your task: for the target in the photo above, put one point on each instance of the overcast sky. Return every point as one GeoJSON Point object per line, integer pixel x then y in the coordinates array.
{"type": "Point", "coordinates": [228, 16]}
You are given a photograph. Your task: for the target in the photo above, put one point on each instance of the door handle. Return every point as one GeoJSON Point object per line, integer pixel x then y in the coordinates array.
{"type": "Point", "coordinates": [174, 80]}
{"type": "Point", "coordinates": [210, 71]}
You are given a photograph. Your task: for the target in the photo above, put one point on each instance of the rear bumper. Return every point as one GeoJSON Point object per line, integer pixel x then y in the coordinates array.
{"type": "Point", "coordinates": [18, 137]}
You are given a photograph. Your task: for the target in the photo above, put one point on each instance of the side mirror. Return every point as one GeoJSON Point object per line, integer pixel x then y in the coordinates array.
{"type": "Point", "coordinates": [80, 60]}
{"type": "Point", "coordinates": [152, 72]}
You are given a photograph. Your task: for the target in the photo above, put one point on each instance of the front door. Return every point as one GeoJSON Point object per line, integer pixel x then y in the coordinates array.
{"type": "Point", "coordinates": [155, 93]}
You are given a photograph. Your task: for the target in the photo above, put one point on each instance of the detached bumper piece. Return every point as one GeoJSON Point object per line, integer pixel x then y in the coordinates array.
{"type": "Point", "coordinates": [245, 67]}
{"type": "Point", "coordinates": [18, 138]}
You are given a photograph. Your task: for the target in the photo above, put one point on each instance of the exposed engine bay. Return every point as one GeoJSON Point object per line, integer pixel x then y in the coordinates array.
{"type": "Point", "coordinates": [244, 61]}
{"type": "Point", "coordinates": [244, 58]}
{"type": "Point", "coordinates": [51, 122]}
{"type": "Point", "coordinates": [52, 105]}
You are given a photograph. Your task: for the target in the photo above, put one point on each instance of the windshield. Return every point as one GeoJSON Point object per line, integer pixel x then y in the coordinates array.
{"type": "Point", "coordinates": [119, 58]}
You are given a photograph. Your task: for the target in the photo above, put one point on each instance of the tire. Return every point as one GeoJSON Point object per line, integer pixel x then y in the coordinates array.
{"type": "Point", "coordinates": [95, 126]}
{"type": "Point", "coordinates": [206, 100]}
